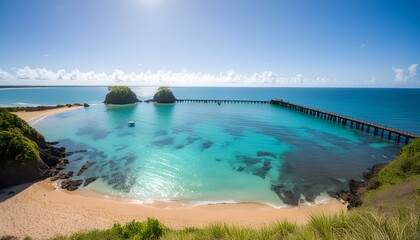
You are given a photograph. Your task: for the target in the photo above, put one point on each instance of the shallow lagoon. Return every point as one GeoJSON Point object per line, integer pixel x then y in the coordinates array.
{"type": "Point", "coordinates": [203, 152]}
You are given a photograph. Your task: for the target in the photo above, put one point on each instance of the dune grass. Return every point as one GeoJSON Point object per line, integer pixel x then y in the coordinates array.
{"type": "Point", "coordinates": [354, 225]}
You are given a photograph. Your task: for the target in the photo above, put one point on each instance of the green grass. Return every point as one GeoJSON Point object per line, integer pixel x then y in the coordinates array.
{"type": "Point", "coordinates": [354, 225]}
{"type": "Point", "coordinates": [405, 167]}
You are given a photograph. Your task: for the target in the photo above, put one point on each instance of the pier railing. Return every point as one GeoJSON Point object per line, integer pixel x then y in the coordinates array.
{"type": "Point", "coordinates": [219, 101]}
{"type": "Point", "coordinates": [376, 129]}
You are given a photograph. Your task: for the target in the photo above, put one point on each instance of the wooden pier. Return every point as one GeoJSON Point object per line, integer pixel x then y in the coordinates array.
{"type": "Point", "coordinates": [222, 101]}
{"type": "Point", "coordinates": [376, 129]}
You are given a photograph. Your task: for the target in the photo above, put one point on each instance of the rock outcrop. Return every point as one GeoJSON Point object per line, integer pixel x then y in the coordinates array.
{"type": "Point", "coordinates": [164, 95]}
{"type": "Point", "coordinates": [25, 156]}
{"type": "Point", "coordinates": [120, 95]}
{"type": "Point", "coordinates": [354, 196]}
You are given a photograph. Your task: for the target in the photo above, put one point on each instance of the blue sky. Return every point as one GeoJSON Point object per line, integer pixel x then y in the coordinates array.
{"type": "Point", "coordinates": [211, 42]}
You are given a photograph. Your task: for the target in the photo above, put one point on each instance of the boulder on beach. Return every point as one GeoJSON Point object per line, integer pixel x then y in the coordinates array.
{"type": "Point", "coordinates": [164, 95]}
{"type": "Point", "coordinates": [120, 95]}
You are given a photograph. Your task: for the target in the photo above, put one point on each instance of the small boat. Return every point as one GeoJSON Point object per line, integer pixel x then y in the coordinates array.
{"type": "Point", "coordinates": [131, 123]}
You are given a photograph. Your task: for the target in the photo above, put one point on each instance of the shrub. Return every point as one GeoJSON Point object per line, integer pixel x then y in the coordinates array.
{"type": "Point", "coordinates": [405, 166]}
{"type": "Point", "coordinates": [151, 229]}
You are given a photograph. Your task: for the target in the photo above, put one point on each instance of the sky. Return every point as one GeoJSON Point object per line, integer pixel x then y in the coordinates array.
{"type": "Point", "coordinates": [268, 43]}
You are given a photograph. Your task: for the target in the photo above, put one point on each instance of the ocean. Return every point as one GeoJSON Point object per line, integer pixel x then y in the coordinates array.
{"type": "Point", "coordinates": [203, 153]}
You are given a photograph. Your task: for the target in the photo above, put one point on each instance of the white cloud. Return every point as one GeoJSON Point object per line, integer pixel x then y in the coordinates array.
{"type": "Point", "coordinates": [401, 76]}
{"type": "Point", "coordinates": [363, 45]}
{"type": "Point", "coordinates": [36, 73]}
{"type": "Point", "coordinates": [42, 76]}
{"type": "Point", "coordinates": [5, 75]}
{"type": "Point", "coordinates": [412, 70]}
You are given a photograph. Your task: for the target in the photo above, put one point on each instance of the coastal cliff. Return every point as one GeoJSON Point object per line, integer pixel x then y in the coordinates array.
{"type": "Point", "coordinates": [405, 169]}
{"type": "Point", "coordinates": [25, 156]}
{"type": "Point", "coordinates": [120, 95]}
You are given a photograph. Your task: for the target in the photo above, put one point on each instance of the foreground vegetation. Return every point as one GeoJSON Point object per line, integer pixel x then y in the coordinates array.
{"type": "Point", "coordinates": [355, 225]}
{"type": "Point", "coordinates": [404, 168]}
{"type": "Point", "coordinates": [19, 155]}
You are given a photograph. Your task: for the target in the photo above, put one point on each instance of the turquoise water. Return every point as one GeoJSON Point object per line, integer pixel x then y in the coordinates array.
{"type": "Point", "coordinates": [397, 108]}
{"type": "Point", "coordinates": [202, 153]}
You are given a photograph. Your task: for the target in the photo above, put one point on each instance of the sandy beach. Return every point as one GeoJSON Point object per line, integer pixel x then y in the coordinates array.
{"type": "Point", "coordinates": [40, 210]}
{"type": "Point", "coordinates": [31, 117]}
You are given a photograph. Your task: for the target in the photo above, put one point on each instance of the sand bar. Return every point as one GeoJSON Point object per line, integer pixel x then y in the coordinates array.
{"type": "Point", "coordinates": [40, 210]}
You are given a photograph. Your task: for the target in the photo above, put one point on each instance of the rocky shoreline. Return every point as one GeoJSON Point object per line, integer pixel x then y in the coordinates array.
{"type": "Point", "coordinates": [354, 196]}
{"type": "Point", "coordinates": [55, 161]}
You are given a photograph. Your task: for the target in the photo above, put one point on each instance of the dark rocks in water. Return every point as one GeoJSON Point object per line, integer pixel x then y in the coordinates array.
{"type": "Point", "coordinates": [85, 105]}
{"type": "Point", "coordinates": [71, 185]}
{"type": "Point", "coordinates": [62, 176]}
{"type": "Point", "coordinates": [117, 179]}
{"type": "Point", "coordinates": [218, 159]}
{"type": "Point", "coordinates": [93, 132]}
{"type": "Point", "coordinates": [309, 196]}
{"type": "Point", "coordinates": [164, 95]}
{"type": "Point", "coordinates": [120, 95]}
{"type": "Point", "coordinates": [373, 171]}
{"type": "Point", "coordinates": [53, 143]}
{"type": "Point", "coordinates": [262, 172]}
{"type": "Point", "coordinates": [119, 182]}
{"type": "Point", "coordinates": [290, 198]}
{"type": "Point", "coordinates": [240, 169]}
{"type": "Point", "coordinates": [130, 159]}
{"type": "Point", "coordinates": [89, 181]}
{"type": "Point", "coordinates": [277, 188]}
{"type": "Point", "coordinates": [354, 196]}
{"type": "Point", "coordinates": [266, 154]}
{"type": "Point", "coordinates": [356, 187]}
{"type": "Point", "coordinates": [287, 196]}
{"type": "Point", "coordinates": [207, 144]}
{"type": "Point", "coordinates": [52, 155]}
{"type": "Point", "coordinates": [62, 164]}
{"type": "Point", "coordinates": [180, 146]}
{"type": "Point", "coordinates": [249, 160]}
{"type": "Point", "coordinates": [164, 142]}
{"type": "Point", "coordinates": [77, 151]}
{"type": "Point", "coordinates": [85, 167]}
